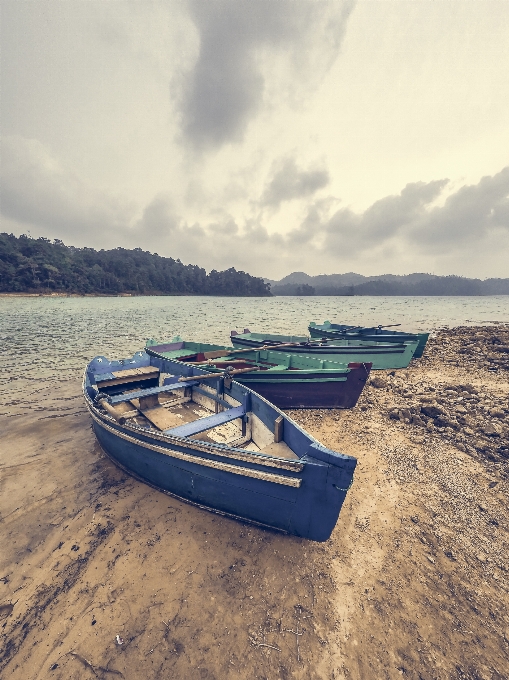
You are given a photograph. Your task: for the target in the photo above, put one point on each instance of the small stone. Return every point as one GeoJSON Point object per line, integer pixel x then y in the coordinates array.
{"type": "Point", "coordinates": [496, 413]}
{"type": "Point", "coordinates": [430, 559]}
{"type": "Point", "coordinates": [378, 382]}
{"type": "Point", "coordinates": [492, 430]}
{"type": "Point", "coordinates": [432, 411]}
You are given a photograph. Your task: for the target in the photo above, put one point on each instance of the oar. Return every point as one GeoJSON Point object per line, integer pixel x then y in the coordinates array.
{"type": "Point", "coordinates": [209, 376]}
{"type": "Point", "coordinates": [209, 361]}
{"type": "Point", "coordinates": [222, 353]}
{"type": "Point", "coordinates": [350, 329]}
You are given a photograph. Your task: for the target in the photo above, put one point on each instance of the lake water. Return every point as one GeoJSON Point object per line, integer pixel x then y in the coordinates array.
{"type": "Point", "coordinates": [57, 336]}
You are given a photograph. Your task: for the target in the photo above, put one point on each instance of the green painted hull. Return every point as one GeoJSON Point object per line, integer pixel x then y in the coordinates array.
{"type": "Point", "coordinates": [381, 356]}
{"type": "Point", "coordinates": [338, 333]}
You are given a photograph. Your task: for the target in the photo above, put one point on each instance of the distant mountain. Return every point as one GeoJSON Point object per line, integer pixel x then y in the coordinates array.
{"type": "Point", "coordinates": [300, 283]}
{"type": "Point", "coordinates": [299, 278]}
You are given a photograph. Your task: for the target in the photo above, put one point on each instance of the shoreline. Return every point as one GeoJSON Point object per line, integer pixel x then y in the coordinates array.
{"type": "Point", "coordinates": [411, 582]}
{"type": "Point", "coordinates": [307, 297]}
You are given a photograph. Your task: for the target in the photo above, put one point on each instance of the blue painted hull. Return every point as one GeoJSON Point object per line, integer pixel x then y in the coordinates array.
{"type": "Point", "coordinates": [301, 496]}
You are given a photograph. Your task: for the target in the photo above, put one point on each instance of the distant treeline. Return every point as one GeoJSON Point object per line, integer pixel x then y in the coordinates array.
{"type": "Point", "coordinates": [434, 285]}
{"type": "Point", "coordinates": [44, 266]}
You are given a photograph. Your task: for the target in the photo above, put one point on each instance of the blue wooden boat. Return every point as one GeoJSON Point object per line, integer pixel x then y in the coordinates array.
{"type": "Point", "coordinates": [287, 381]}
{"type": "Point", "coordinates": [213, 442]}
{"type": "Point", "coordinates": [335, 331]}
{"type": "Point", "coordinates": [380, 355]}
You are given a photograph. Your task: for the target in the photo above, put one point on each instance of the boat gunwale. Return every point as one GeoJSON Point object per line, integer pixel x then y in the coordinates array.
{"type": "Point", "coordinates": [205, 462]}
{"type": "Point", "coordinates": [215, 449]}
{"type": "Point", "coordinates": [291, 374]}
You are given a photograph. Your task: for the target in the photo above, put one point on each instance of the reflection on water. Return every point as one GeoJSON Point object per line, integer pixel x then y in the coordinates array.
{"type": "Point", "coordinates": [50, 337]}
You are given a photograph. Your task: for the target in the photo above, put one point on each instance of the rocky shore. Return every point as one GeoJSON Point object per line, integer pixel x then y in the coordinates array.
{"type": "Point", "coordinates": [102, 576]}
{"type": "Point", "coordinates": [475, 419]}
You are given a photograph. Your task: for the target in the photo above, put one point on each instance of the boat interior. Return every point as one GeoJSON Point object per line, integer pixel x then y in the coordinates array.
{"type": "Point", "coordinates": [263, 360]}
{"type": "Point", "coordinates": [235, 363]}
{"type": "Point", "coordinates": [190, 407]}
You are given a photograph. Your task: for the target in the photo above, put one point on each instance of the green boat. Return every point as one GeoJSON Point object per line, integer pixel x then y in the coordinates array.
{"type": "Point", "coordinates": [373, 334]}
{"type": "Point", "coordinates": [286, 380]}
{"type": "Point", "coordinates": [380, 355]}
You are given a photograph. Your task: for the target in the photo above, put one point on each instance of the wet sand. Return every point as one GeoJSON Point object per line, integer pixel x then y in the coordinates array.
{"type": "Point", "coordinates": [413, 582]}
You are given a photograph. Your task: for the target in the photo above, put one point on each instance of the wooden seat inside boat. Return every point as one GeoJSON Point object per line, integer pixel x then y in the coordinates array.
{"type": "Point", "coordinates": [127, 375]}
{"type": "Point", "coordinates": [150, 392]}
{"type": "Point", "coordinates": [207, 423]}
{"type": "Point", "coordinates": [190, 409]}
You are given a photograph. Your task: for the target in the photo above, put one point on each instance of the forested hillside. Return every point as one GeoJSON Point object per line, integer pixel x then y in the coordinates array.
{"type": "Point", "coordinates": [40, 265]}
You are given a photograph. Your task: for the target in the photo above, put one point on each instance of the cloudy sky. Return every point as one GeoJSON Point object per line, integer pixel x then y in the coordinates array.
{"type": "Point", "coordinates": [269, 135]}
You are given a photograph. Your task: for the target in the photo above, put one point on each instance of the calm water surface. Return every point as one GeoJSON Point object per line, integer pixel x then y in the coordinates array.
{"type": "Point", "coordinates": [50, 337]}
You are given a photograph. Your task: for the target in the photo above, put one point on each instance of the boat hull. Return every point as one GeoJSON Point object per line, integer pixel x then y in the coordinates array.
{"type": "Point", "coordinates": [209, 488]}
{"type": "Point", "coordinates": [342, 332]}
{"type": "Point", "coordinates": [288, 390]}
{"type": "Point", "coordinates": [391, 356]}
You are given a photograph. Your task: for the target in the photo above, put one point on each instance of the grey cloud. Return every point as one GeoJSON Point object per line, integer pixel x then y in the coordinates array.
{"type": "Point", "coordinates": [227, 228]}
{"type": "Point", "coordinates": [288, 182]}
{"type": "Point", "coordinates": [312, 225]}
{"type": "Point", "coordinates": [347, 231]}
{"type": "Point", "coordinates": [159, 219]}
{"type": "Point", "coordinates": [226, 87]}
{"type": "Point", "coordinates": [469, 218]}
{"type": "Point", "coordinates": [467, 215]}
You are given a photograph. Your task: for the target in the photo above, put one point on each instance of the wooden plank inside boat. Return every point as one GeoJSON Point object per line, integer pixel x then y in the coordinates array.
{"type": "Point", "coordinates": [280, 449]}
{"type": "Point", "coordinates": [132, 372]}
{"type": "Point", "coordinates": [174, 416]}
{"type": "Point", "coordinates": [278, 429]}
{"type": "Point", "coordinates": [130, 375]}
{"type": "Point", "coordinates": [162, 418]}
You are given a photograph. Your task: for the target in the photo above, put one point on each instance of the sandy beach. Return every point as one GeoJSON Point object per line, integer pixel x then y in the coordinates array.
{"type": "Point", "coordinates": [102, 576]}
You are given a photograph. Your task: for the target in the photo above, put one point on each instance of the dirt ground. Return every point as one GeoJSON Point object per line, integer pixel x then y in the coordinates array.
{"type": "Point", "coordinates": [413, 582]}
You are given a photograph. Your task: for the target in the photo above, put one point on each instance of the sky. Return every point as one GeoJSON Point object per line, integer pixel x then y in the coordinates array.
{"type": "Point", "coordinates": [268, 135]}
